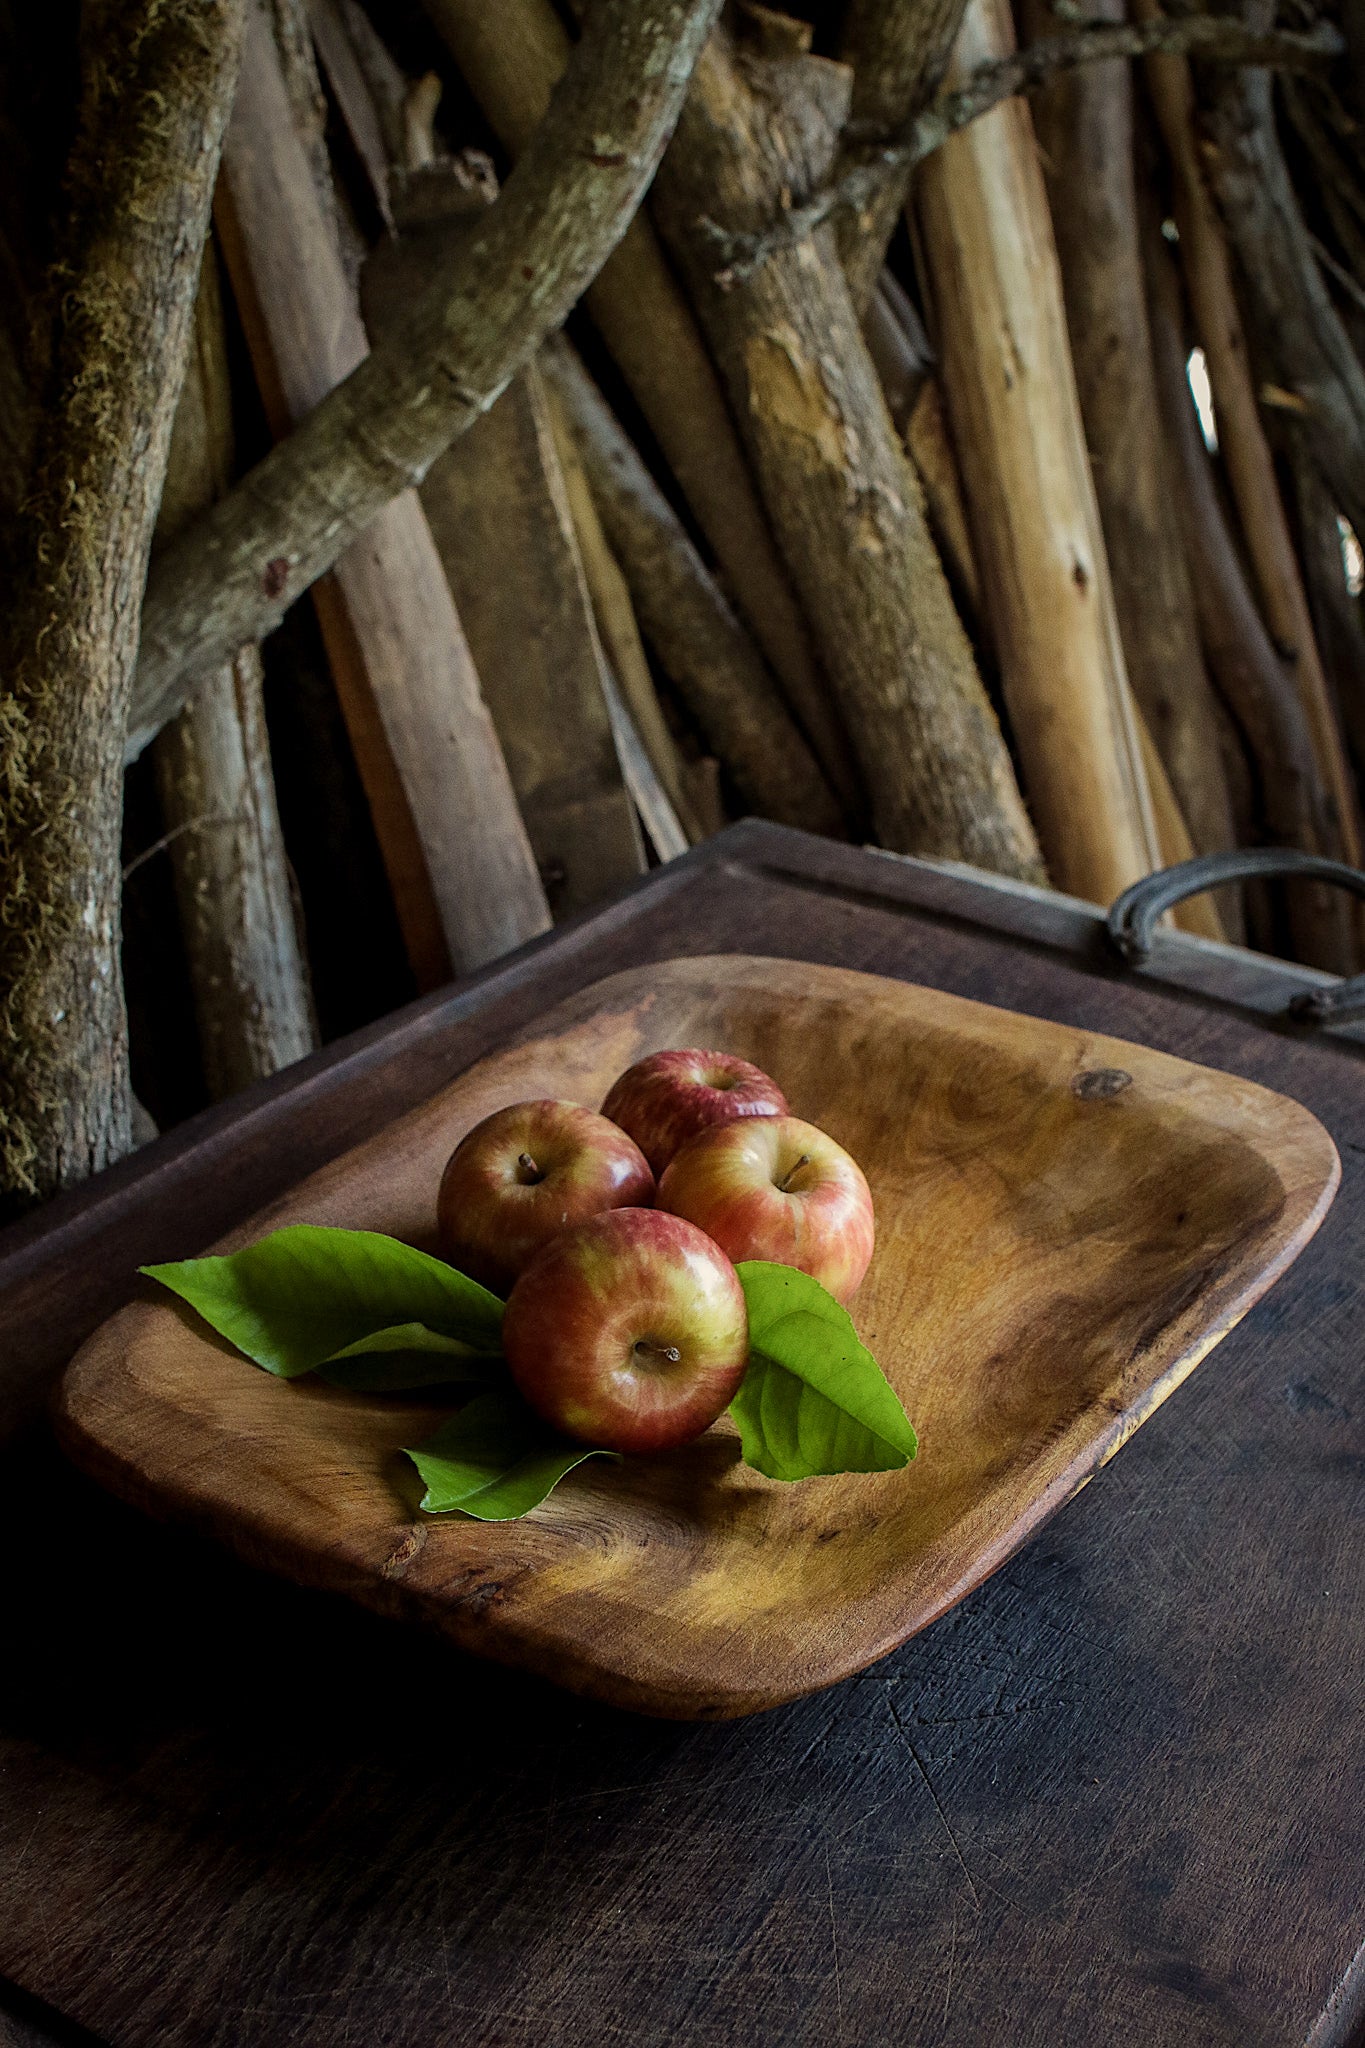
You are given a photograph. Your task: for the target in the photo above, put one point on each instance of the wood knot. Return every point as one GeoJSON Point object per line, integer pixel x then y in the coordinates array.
{"type": "Point", "coordinates": [1097, 1084]}
{"type": "Point", "coordinates": [398, 1560]}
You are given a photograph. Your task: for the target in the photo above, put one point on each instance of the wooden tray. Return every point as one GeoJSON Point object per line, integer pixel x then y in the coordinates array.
{"type": "Point", "coordinates": [1067, 1224]}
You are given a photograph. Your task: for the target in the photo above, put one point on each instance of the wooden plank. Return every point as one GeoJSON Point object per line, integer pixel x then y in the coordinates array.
{"type": "Point", "coordinates": [500, 518]}
{"type": "Point", "coordinates": [463, 873]}
{"type": "Point", "coordinates": [499, 514]}
{"type": "Point", "coordinates": [1119, 1791]}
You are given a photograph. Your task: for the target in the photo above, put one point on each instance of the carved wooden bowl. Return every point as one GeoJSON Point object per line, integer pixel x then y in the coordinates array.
{"type": "Point", "coordinates": [1067, 1225]}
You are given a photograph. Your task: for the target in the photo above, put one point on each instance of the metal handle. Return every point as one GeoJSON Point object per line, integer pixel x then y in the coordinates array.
{"type": "Point", "coordinates": [1134, 914]}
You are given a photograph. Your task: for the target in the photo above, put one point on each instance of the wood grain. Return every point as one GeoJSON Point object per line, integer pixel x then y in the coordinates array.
{"type": "Point", "coordinates": [1066, 1225]}
{"type": "Point", "coordinates": [511, 56]}
{"type": "Point", "coordinates": [1016, 426]}
{"type": "Point", "coordinates": [459, 861]}
{"type": "Point", "coordinates": [1117, 1793]}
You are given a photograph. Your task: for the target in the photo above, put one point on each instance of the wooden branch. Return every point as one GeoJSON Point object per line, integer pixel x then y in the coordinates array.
{"type": "Point", "coordinates": [843, 498]}
{"type": "Point", "coordinates": [1084, 122]}
{"type": "Point", "coordinates": [511, 56]}
{"type": "Point", "coordinates": [1300, 340]}
{"type": "Point", "coordinates": [217, 789]}
{"type": "Point", "coordinates": [899, 51]}
{"type": "Point", "coordinates": [158, 84]}
{"type": "Point", "coordinates": [616, 623]}
{"type": "Point", "coordinates": [1258, 687]}
{"type": "Point", "coordinates": [500, 517]}
{"type": "Point", "coordinates": [879, 161]}
{"type": "Point", "coordinates": [1242, 442]}
{"type": "Point", "coordinates": [1017, 429]}
{"type": "Point", "coordinates": [697, 639]}
{"type": "Point", "coordinates": [464, 878]}
{"type": "Point", "coordinates": [231, 577]}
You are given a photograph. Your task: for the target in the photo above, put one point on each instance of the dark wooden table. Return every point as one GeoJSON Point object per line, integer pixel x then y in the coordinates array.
{"type": "Point", "coordinates": [1116, 1797]}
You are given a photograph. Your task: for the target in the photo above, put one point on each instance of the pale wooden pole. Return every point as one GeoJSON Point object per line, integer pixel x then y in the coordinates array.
{"type": "Point", "coordinates": [1011, 394]}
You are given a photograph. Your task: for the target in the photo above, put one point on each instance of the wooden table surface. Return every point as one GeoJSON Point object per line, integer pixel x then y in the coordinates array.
{"type": "Point", "coordinates": [1117, 1796]}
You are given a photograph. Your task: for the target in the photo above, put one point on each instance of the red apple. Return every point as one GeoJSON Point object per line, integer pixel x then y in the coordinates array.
{"type": "Point", "coordinates": [629, 1332]}
{"type": "Point", "coordinates": [526, 1173]}
{"type": "Point", "coordinates": [776, 1188]}
{"type": "Point", "coordinates": [666, 1099]}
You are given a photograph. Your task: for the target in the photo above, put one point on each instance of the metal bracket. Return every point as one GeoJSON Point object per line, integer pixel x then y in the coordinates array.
{"type": "Point", "coordinates": [1132, 919]}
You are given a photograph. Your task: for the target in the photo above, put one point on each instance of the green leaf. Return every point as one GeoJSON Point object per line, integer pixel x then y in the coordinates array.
{"type": "Point", "coordinates": [307, 1293]}
{"type": "Point", "coordinates": [495, 1460]}
{"type": "Point", "coordinates": [814, 1399]}
{"type": "Point", "coordinates": [404, 1356]}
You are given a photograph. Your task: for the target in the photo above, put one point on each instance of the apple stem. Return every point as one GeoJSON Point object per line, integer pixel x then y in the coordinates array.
{"type": "Point", "coordinates": [789, 1176]}
{"type": "Point", "coordinates": [530, 1172]}
{"type": "Point", "coordinates": [668, 1351]}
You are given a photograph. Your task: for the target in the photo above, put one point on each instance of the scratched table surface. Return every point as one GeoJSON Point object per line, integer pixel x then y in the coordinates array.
{"type": "Point", "coordinates": [1117, 1796]}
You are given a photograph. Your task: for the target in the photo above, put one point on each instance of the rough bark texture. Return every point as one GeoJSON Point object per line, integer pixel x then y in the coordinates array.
{"type": "Point", "coordinates": [1256, 683]}
{"type": "Point", "coordinates": [1017, 429]}
{"type": "Point", "coordinates": [232, 576]}
{"type": "Point", "coordinates": [683, 613]}
{"type": "Point", "coordinates": [1084, 121]}
{"type": "Point", "coordinates": [217, 789]}
{"type": "Point", "coordinates": [844, 500]}
{"type": "Point", "coordinates": [463, 874]}
{"type": "Point", "coordinates": [1245, 451]}
{"type": "Point", "coordinates": [158, 85]}
{"type": "Point", "coordinates": [511, 56]}
{"type": "Point", "coordinates": [1300, 341]}
{"type": "Point", "coordinates": [232, 882]}
{"type": "Point", "coordinates": [872, 166]}
{"type": "Point", "coordinates": [899, 50]}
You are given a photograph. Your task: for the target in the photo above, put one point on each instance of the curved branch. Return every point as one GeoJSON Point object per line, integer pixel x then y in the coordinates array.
{"type": "Point", "coordinates": [569, 200]}
{"type": "Point", "coordinates": [1214, 38]}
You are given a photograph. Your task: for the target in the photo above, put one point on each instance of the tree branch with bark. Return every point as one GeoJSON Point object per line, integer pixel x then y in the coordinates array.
{"type": "Point", "coordinates": [565, 206]}
{"type": "Point", "coordinates": [157, 84]}
{"type": "Point", "coordinates": [870, 163]}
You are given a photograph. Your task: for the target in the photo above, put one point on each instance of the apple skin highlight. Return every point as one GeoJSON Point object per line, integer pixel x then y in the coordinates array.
{"type": "Point", "coordinates": [777, 1188]}
{"type": "Point", "coordinates": [669, 1097]}
{"type": "Point", "coordinates": [526, 1173]}
{"type": "Point", "coordinates": [629, 1332]}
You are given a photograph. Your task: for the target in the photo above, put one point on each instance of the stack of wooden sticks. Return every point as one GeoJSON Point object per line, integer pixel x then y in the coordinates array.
{"type": "Point", "coordinates": [962, 449]}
